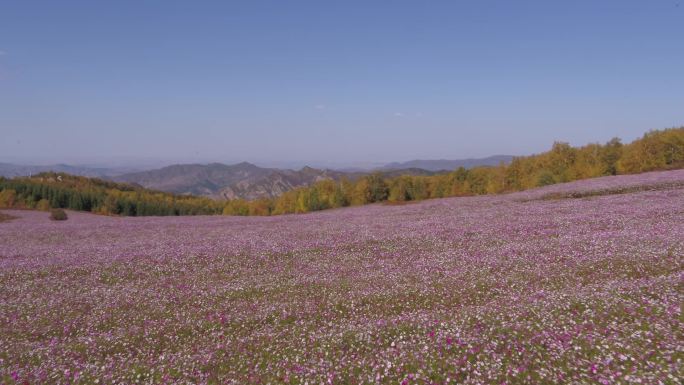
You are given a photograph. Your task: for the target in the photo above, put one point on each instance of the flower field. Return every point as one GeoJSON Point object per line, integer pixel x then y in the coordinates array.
{"type": "Point", "coordinates": [505, 289]}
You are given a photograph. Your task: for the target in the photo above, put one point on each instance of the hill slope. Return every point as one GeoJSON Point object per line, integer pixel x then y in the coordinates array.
{"type": "Point", "coordinates": [242, 180]}
{"type": "Point", "coordinates": [216, 180]}
{"type": "Point", "coordinates": [445, 164]}
{"type": "Point", "coordinates": [10, 170]}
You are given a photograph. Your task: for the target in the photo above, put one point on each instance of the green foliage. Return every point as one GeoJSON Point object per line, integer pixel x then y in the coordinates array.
{"type": "Point", "coordinates": [7, 197]}
{"type": "Point", "coordinates": [236, 207]}
{"type": "Point", "coordinates": [610, 155]}
{"type": "Point", "coordinates": [43, 205]}
{"type": "Point", "coordinates": [545, 178]}
{"type": "Point", "coordinates": [377, 188]}
{"type": "Point", "coordinates": [59, 190]}
{"type": "Point", "coordinates": [400, 189]}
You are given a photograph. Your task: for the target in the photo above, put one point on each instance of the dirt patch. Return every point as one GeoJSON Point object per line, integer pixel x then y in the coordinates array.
{"type": "Point", "coordinates": [6, 217]}
{"type": "Point", "coordinates": [400, 203]}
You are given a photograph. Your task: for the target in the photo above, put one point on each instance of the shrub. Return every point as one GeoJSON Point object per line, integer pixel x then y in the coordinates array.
{"type": "Point", "coordinates": [7, 198]}
{"type": "Point", "coordinates": [545, 179]}
{"type": "Point", "coordinates": [43, 205]}
{"type": "Point", "coordinates": [58, 215]}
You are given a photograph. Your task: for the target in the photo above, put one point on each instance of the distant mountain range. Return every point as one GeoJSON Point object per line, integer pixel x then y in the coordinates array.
{"type": "Point", "coordinates": [247, 181]}
{"type": "Point", "coordinates": [10, 170]}
{"type": "Point", "coordinates": [216, 180]}
{"type": "Point", "coordinates": [444, 164]}
{"type": "Point", "coordinates": [243, 180]}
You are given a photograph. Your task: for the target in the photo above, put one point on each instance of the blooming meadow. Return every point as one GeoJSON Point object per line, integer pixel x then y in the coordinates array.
{"type": "Point", "coordinates": [505, 289]}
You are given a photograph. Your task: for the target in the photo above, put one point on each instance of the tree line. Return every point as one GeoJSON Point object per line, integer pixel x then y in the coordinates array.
{"type": "Point", "coordinates": [656, 150]}
{"type": "Point", "coordinates": [59, 190]}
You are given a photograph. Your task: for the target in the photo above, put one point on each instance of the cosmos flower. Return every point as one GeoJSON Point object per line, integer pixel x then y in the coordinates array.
{"type": "Point", "coordinates": [517, 288]}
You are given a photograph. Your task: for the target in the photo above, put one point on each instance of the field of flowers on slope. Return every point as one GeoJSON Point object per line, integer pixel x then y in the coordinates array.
{"type": "Point", "coordinates": [482, 290]}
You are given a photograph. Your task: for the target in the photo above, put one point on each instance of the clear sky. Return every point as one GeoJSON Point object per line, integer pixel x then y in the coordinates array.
{"type": "Point", "coordinates": [332, 81]}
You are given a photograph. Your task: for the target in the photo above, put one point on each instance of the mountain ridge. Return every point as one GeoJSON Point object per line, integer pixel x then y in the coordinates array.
{"type": "Point", "coordinates": [449, 164]}
{"type": "Point", "coordinates": [243, 180]}
{"type": "Point", "coordinates": [10, 170]}
{"type": "Point", "coordinates": [217, 180]}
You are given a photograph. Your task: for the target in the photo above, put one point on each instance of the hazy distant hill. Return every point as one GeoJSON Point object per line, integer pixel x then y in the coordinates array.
{"type": "Point", "coordinates": [275, 182]}
{"type": "Point", "coordinates": [445, 164]}
{"type": "Point", "coordinates": [11, 170]}
{"type": "Point", "coordinates": [242, 180]}
{"type": "Point", "coordinates": [196, 179]}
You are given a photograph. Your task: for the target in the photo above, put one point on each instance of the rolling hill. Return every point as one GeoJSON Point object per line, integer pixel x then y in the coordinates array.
{"type": "Point", "coordinates": [216, 180]}
{"type": "Point", "coordinates": [10, 170]}
{"type": "Point", "coordinates": [242, 180]}
{"type": "Point", "coordinates": [446, 164]}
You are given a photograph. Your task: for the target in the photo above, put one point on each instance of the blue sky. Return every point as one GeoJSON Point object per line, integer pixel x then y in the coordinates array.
{"type": "Point", "coordinates": [329, 82]}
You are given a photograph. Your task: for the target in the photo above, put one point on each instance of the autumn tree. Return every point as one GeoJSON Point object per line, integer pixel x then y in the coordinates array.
{"type": "Point", "coordinates": [610, 154]}
{"type": "Point", "coordinates": [7, 198]}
